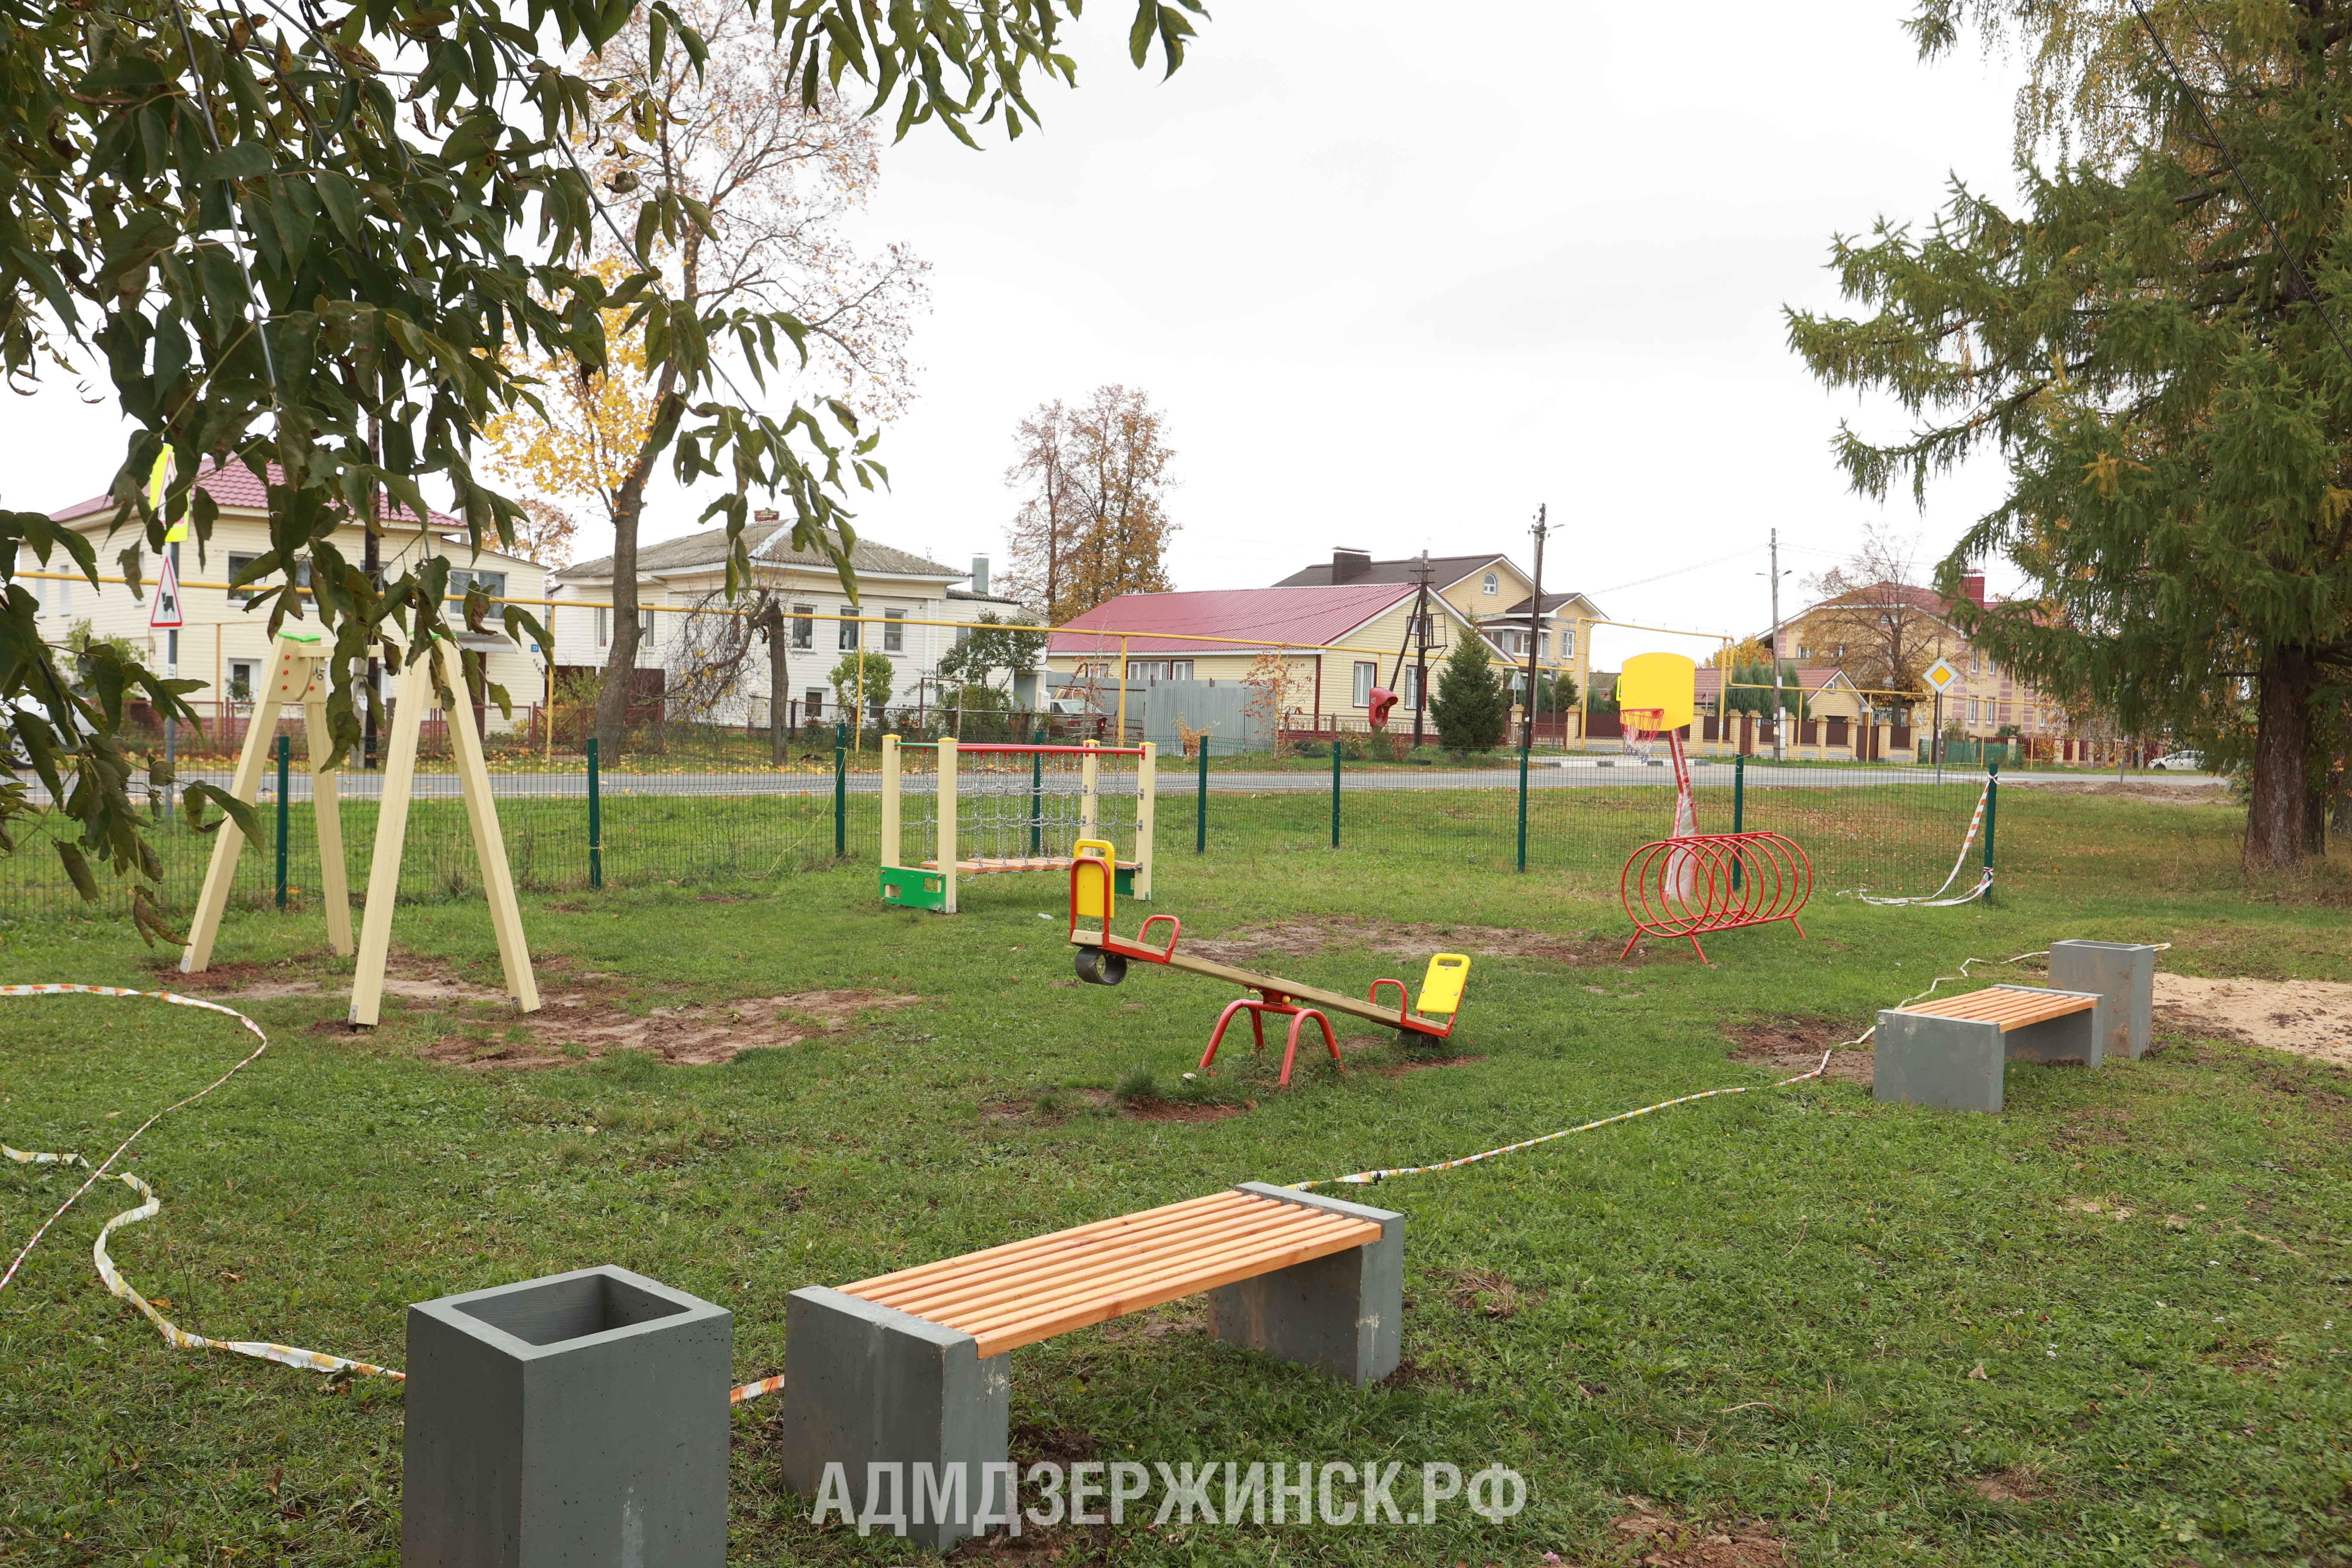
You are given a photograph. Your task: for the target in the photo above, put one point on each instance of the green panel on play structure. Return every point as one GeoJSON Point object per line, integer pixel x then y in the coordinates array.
{"type": "Point", "coordinates": [1123, 880]}
{"type": "Point", "coordinates": [913, 889]}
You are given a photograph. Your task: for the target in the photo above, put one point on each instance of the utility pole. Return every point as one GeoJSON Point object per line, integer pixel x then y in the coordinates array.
{"type": "Point", "coordinates": [1421, 651]}
{"type": "Point", "coordinates": [1535, 618]}
{"type": "Point", "coordinates": [1780, 720]}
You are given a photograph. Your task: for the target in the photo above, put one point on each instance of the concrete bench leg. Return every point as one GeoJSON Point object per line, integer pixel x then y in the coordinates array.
{"type": "Point", "coordinates": [1344, 1313]}
{"type": "Point", "coordinates": [2123, 976]}
{"type": "Point", "coordinates": [579, 1419]}
{"type": "Point", "coordinates": [903, 1406]}
{"type": "Point", "coordinates": [2077, 1037]}
{"type": "Point", "coordinates": [1952, 1064]}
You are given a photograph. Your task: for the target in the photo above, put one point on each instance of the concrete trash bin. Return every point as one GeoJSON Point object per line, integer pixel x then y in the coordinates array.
{"type": "Point", "coordinates": [579, 1419]}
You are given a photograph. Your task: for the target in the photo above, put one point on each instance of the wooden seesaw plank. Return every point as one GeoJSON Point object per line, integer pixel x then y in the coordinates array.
{"type": "Point", "coordinates": [1357, 1006]}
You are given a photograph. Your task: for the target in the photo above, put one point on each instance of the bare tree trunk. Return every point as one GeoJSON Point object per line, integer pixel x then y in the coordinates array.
{"type": "Point", "coordinates": [2278, 818]}
{"type": "Point", "coordinates": [779, 737]}
{"type": "Point", "coordinates": [621, 664]}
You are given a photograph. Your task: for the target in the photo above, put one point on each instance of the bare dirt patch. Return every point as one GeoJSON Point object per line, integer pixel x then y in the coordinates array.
{"type": "Point", "coordinates": [583, 1019]}
{"type": "Point", "coordinates": [2309, 1017]}
{"type": "Point", "coordinates": [1308, 938]}
{"type": "Point", "coordinates": [1792, 1043]}
{"type": "Point", "coordinates": [1484, 1291]}
{"type": "Point", "coordinates": [1665, 1542]}
{"type": "Point", "coordinates": [2016, 1484]}
{"type": "Point", "coordinates": [2201, 792]}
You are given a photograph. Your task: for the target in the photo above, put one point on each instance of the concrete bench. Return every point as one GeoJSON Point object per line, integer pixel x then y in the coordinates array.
{"type": "Point", "coordinates": [1951, 1052]}
{"type": "Point", "coordinates": [911, 1369]}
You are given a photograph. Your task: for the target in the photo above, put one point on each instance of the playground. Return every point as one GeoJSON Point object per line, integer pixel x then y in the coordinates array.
{"type": "Point", "coordinates": [2108, 1324]}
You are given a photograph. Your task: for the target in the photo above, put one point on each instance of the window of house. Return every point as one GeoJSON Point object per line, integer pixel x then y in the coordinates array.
{"type": "Point", "coordinates": [803, 626]}
{"type": "Point", "coordinates": [245, 596]}
{"type": "Point", "coordinates": [1568, 644]}
{"type": "Point", "coordinates": [812, 699]}
{"type": "Point", "coordinates": [1180, 669]}
{"type": "Point", "coordinates": [646, 627]}
{"type": "Point", "coordinates": [241, 677]}
{"type": "Point", "coordinates": [604, 627]}
{"type": "Point", "coordinates": [1544, 650]}
{"type": "Point", "coordinates": [848, 627]}
{"type": "Point", "coordinates": [894, 631]}
{"type": "Point", "coordinates": [494, 584]}
{"type": "Point", "coordinates": [1367, 676]}
{"type": "Point", "coordinates": [1492, 586]}
{"type": "Point", "coordinates": [1411, 695]}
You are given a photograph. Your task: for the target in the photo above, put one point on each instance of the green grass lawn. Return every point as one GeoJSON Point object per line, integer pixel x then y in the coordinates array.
{"type": "Point", "coordinates": [1763, 1307]}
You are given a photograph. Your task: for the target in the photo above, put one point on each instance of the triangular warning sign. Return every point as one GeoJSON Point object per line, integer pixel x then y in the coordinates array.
{"type": "Point", "coordinates": [163, 609]}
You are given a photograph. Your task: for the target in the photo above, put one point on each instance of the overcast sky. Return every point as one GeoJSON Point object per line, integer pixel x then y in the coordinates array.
{"type": "Point", "coordinates": [1397, 274]}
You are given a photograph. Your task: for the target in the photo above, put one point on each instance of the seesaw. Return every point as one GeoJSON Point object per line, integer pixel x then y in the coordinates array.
{"type": "Point", "coordinates": [1102, 959]}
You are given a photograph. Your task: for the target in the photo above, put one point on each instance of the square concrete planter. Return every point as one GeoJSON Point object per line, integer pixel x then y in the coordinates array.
{"type": "Point", "coordinates": [579, 1419]}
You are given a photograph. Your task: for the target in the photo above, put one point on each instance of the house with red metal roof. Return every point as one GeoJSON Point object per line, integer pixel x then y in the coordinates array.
{"type": "Point", "coordinates": [224, 642]}
{"type": "Point", "coordinates": [1334, 642]}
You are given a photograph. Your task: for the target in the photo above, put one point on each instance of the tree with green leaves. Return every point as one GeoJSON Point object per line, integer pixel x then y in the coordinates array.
{"type": "Point", "coordinates": [862, 679]}
{"type": "Point", "coordinates": [322, 247]}
{"type": "Point", "coordinates": [2155, 343]}
{"type": "Point", "coordinates": [1472, 705]}
{"type": "Point", "coordinates": [993, 643]}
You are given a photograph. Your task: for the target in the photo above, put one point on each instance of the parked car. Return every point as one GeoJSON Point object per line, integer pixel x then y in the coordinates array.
{"type": "Point", "coordinates": [2180, 763]}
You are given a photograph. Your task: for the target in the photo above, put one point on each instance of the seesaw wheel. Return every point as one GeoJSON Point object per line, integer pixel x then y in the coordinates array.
{"type": "Point", "coordinates": [1097, 967]}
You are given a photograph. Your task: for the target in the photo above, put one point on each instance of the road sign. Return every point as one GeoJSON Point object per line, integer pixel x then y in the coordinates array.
{"type": "Point", "coordinates": [163, 609]}
{"type": "Point", "coordinates": [1941, 674]}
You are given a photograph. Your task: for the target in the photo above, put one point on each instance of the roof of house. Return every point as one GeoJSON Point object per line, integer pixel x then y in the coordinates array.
{"type": "Point", "coordinates": [965, 595]}
{"type": "Point", "coordinates": [1307, 617]}
{"type": "Point", "coordinates": [234, 485]}
{"type": "Point", "coordinates": [1809, 678]}
{"type": "Point", "coordinates": [770, 542]}
{"type": "Point", "coordinates": [1882, 594]}
{"type": "Point", "coordinates": [1444, 570]}
{"type": "Point", "coordinates": [1550, 602]}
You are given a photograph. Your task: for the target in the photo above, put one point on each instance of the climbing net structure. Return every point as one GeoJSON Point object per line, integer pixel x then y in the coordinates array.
{"type": "Point", "coordinates": [951, 811]}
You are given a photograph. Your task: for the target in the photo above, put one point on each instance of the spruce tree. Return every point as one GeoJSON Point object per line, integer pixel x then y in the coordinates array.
{"type": "Point", "coordinates": [2155, 343]}
{"type": "Point", "coordinates": [1471, 707]}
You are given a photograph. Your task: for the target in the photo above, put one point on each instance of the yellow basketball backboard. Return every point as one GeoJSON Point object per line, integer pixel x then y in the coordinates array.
{"type": "Point", "coordinates": [1664, 681]}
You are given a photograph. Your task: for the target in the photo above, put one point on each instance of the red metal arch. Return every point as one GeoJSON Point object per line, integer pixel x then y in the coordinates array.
{"type": "Point", "coordinates": [1714, 881]}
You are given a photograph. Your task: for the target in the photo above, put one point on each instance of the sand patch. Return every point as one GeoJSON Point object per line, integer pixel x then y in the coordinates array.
{"type": "Point", "coordinates": [2309, 1017]}
{"type": "Point", "coordinates": [1308, 938]}
{"type": "Point", "coordinates": [1790, 1044]}
{"type": "Point", "coordinates": [1665, 1542]}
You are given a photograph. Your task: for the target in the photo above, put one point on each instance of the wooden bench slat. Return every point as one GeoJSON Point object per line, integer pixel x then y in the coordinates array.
{"type": "Point", "coordinates": [1015, 1298]}
{"type": "Point", "coordinates": [2011, 1007]}
{"type": "Point", "coordinates": [1231, 1200]}
{"type": "Point", "coordinates": [1172, 1237]}
{"type": "Point", "coordinates": [1144, 1294]}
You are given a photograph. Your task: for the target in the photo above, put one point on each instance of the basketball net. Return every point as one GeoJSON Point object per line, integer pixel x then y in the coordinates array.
{"type": "Point", "coordinates": [1642, 728]}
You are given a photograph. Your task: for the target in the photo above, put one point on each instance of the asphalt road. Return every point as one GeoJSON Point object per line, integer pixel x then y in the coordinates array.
{"type": "Point", "coordinates": [1544, 776]}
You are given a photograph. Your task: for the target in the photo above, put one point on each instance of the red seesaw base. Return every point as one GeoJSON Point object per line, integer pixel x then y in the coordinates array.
{"type": "Point", "coordinates": [1275, 1001]}
{"type": "Point", "coordinates": [1709, 882]}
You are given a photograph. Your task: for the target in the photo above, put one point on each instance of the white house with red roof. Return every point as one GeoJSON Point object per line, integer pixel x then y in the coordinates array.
{"type": "Point", "coordinates": [1336, 642]}
{"type": "Point", "coordinates": [225, 640]}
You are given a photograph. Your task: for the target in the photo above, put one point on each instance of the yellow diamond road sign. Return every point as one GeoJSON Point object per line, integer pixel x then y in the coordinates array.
{"type": "Point", "coordinates": [1941, 674]}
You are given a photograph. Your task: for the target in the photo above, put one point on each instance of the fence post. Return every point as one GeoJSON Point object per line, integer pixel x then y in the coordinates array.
{"type": "Point", "coordinates": [595, 822]}
{"type": "Point", "coordinates": [841, 789]}
{"type": "Point", "coordinates": [1037, 798]}
{"type": "Point", "coordinates": [1200, 804]}
{"type": "Point", "coordinates": [1523, 808]}
{"type": "Point", "coordinates": [1335, 783]}
{"type": "Point", "coordinates": [1739, 807]}
{"type": "Point", "coordinates": [285, 755]}
{"type": "Point", "coordinates": [1992, 804]}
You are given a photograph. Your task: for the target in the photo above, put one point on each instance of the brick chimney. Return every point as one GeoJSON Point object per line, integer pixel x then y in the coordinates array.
{"type": "Point", "coordinates": [1347, 564]}
{"type": "Point", "coordinates": [1973, 585]}
{"type": "Point", "coordinates": [765, 514]}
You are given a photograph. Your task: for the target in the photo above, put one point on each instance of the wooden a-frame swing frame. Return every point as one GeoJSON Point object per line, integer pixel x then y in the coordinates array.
{"type": "Point", "coordinates": [298, 675]}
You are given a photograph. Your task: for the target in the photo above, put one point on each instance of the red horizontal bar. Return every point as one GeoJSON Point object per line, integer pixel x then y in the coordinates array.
{"type": "Point", "coordinates": [1071, 750]}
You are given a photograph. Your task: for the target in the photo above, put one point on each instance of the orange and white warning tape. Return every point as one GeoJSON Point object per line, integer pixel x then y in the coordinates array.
{"type": "Point", "coordinates": [1365, 1178]}
{"type": "Point", "coordinates": [1936, 900]}
{"type": "Point", "coordinates": [285, 1355]}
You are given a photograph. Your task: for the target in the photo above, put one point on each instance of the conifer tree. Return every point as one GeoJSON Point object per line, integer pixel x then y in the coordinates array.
{"type": "Point", "coordinates": [1472, 706]}
{"type": "Point", "coordinates": [2155, 343]}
